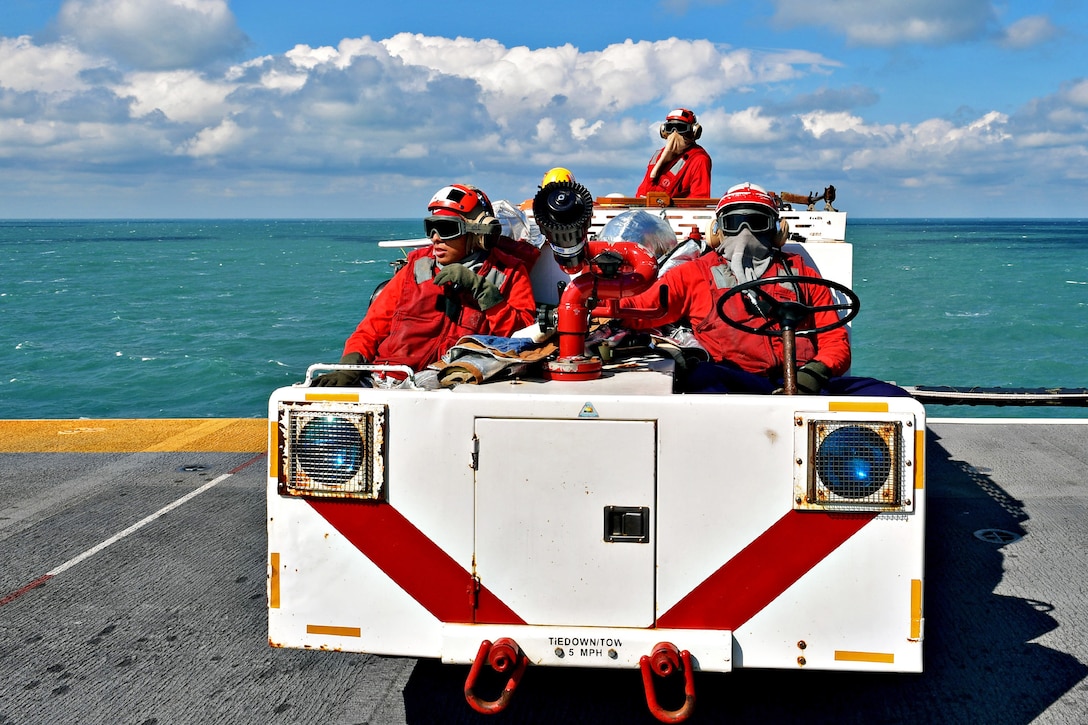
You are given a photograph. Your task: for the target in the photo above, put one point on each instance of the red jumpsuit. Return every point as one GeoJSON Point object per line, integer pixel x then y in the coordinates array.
{"type": "Point", "coordinates": [694, 290]}
{"type": "Point", "coordinates": [689, 175]}
{"type": "Point", "coordinates": [413, 322]}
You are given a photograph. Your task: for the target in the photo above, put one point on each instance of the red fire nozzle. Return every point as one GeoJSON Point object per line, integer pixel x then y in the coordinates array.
{"type": "Point", "coordinates": [637, 271]}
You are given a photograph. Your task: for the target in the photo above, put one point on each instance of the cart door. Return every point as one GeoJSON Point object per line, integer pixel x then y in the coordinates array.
{"type": "Point", "coordinates": [565, 519]}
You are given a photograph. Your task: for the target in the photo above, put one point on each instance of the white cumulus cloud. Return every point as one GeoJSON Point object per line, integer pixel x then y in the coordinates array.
{"type": "Point", "coordinates": [415, 112]}
{"type": "Point", "coordinates": [1028, 32]}
{"type": "Point", "coordinates": [182, 95]}
{"type": "Point", "coordinates": [53, 68]}
{"type": "Point", "coordinates": [215, 141]}
{"type": "Point", "coordinates": [153, 34]}
{"type": "Point", "coordinates": [892, 22]}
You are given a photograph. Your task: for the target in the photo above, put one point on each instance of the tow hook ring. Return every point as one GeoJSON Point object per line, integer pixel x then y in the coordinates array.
{"type": "Point", "coordinates": [664, 661]}
{"type": "Point", "coordinates": [504, 655]}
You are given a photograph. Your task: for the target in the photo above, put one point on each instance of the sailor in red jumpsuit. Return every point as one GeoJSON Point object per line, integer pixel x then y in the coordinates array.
{"type": "Point", "coordinates": [682, 168]}
{"type": "Point", "coordinates": [750, 249]}
{"type": "Point", "coordinates": [462, 284]}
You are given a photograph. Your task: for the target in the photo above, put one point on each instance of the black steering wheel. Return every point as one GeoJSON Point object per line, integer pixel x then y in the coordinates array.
{"type": "Point", "coordinates": [788, 314]}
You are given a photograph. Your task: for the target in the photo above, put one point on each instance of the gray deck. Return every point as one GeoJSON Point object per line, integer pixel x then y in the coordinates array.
{"type": "Point", "coordinates": [168, 624]}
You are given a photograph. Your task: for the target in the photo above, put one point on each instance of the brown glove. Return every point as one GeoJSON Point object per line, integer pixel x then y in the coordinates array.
{"type": "Point", "coordinates": [812, 377]}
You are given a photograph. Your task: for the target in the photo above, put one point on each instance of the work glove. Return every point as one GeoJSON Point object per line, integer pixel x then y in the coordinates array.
{"type": "Point", "coordinates": [461, 277]}
{"type": "Point", "coordinates": [342, 378]}
{"type": "Point", "coordinates": [812, 377]}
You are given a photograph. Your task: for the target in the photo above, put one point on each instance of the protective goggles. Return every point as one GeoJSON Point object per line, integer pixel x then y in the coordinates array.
{"type": "Point", "coordinates": [681, 127]}
{"type": "Point", "coordinates": [446, 227]}
{"type": "Point", "coordinates": [733, 222]}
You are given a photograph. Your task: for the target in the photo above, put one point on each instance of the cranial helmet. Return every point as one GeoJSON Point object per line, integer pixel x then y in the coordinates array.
{"type": "Point", "coordinates": [683, 122]}
{"type": "Point", "coordinates": [747, 194]}
{"type": "Point", "coordinates": [746, 205]}
{"type": "Point", "coordinates": [556, 174]}
{"type": "Point", "coordinates": [469, 203]}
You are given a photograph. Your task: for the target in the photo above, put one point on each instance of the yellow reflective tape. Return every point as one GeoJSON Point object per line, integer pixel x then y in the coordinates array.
{"type": "Point", "coordinates": [335, 631]}
{"type": "Point", "coordinates": [915, 609]}
{"type": "Point", "coordinates": [920, 459]}
{"type": "Point", "coordinates": [886, 658]}
{"type": "Point", "coordinates": [852, 406]}
{"type": "Point", "coordinates": [273, 450]}
{"type": "Point", "coordinates": [274, 581]}
{"type": "Point", "coordinates": [333, 397]}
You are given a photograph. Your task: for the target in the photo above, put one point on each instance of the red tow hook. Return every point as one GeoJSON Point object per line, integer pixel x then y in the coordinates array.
{"type": "Point", "coordinates": [502, 656]}
{"type": "Point", "coordinates": [665, 660]}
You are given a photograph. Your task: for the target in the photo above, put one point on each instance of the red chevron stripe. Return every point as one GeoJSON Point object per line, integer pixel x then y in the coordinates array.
{"type": "Point", "coordinates": [427, 573]}
{"type": "Point", "coordinates": [764, 569]}
{"type": "Point", "coordinates": [727, 599]}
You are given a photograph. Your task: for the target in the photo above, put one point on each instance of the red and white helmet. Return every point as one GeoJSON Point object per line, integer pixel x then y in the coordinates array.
{"type": "Point", "coordinates": [746, 205]}
{"type": "Point", "coordinates": [472, 212]}
{"type": "Point", "coordinates": [466, 201]}
{"type": "Point", "coordinates": [682, 121]}
{"type": "Point", "coordinates": [681, 114]}
{"type": "Point", "coordinates": [749, 196]}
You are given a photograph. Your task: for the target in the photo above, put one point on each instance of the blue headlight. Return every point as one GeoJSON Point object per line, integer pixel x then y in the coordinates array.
{"type": "Point", "coordinates": [330, 450]}
{"type": "Point", "coordinates": [853, 462]}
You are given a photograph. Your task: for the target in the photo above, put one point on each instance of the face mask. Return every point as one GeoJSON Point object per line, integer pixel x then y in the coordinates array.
{"type": "Point", "coordinates": [749, 255]}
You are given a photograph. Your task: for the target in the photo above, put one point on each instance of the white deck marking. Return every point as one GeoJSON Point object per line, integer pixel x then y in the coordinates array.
{"type": "Point", "coordinates": [136, 526]}
{"type": "Point", "coordinates": [122, 534]}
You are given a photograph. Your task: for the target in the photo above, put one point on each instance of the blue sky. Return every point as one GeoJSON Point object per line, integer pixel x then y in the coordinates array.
{"type": "Point", "coordinates": [338, 108]}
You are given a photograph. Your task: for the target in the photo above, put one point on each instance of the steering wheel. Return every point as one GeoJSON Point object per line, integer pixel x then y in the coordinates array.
{"type": "Point", "coordinates": [788, 314]}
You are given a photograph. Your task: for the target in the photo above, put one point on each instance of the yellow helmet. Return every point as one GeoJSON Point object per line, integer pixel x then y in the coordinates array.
{"type": "Point", "coordinates": [556, 174]}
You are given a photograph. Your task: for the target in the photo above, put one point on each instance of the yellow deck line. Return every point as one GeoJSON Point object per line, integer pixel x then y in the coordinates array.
{"type": "Point", "coordinates": [213, 435]}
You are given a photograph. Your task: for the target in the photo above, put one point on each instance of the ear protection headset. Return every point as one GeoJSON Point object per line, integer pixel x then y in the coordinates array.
{"type": "Point", "coordinates": [683, 121]}
{"type": "Point", "coordinates": [488, 225]}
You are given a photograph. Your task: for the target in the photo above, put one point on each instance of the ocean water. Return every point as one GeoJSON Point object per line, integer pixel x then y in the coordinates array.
{"type": "Point", "coordinates": [205, 318]}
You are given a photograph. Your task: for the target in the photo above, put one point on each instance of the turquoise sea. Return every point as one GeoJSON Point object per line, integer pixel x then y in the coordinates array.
{"type": "Point", "coordinates": [204, 318]}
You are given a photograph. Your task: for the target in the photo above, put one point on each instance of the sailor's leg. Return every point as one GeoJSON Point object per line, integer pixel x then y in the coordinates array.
{"type": "Point", "coordinates": [864, 386]}
{"type": "Point", "coordinates": [709, 377]}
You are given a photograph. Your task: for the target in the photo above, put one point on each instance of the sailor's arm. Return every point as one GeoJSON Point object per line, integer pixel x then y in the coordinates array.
{"type": "Point", "coordinates": [686, 294]}
{"type": "Point", "coordinates": [833, 346]}
{"type": "Point", "coordinates": [518, 308]}
{"type": "Point", "coordinates": [377, 322]}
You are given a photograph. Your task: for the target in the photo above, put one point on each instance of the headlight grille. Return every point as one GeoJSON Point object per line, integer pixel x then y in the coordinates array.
{"type": "Point", "coordinates": [333, 450]}
{"type": "Point", "coordinates": [853, 465]}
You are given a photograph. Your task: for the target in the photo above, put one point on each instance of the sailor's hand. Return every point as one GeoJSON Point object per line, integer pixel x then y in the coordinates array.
{"type": "Point", "coordinates": [341, 378]}
{"type": "Point", "coordinates": [456, 274]}
{"type": "Point", "coordinates": [812, 377]}
{"type": "Point", "coordinates": [460, 276]}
